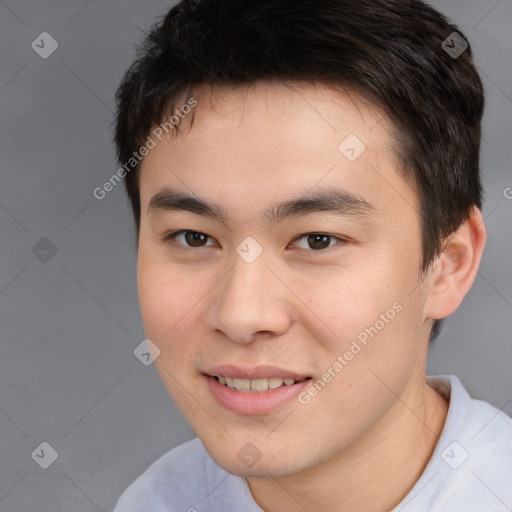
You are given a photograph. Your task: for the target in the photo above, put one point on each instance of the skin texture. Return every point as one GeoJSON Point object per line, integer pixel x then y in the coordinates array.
{"type": "Point", "coordinates": [364, 440]}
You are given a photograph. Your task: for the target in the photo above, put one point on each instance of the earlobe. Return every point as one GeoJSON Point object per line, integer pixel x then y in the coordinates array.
{"type": "Point", "coordinates": [456, 268]}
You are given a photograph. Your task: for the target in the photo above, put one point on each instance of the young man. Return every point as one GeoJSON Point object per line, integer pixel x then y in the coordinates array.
{"type": "Point", "coordinates": [304, 178]}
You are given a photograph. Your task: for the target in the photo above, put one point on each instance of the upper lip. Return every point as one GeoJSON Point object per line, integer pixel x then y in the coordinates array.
{"type": "Point", "coordinates": [255, 372]}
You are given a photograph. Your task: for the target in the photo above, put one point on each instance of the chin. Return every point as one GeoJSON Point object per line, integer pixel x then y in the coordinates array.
{"type": "Point", "coordinates": [250, 463]}
{"type": "Point", "coordinates": [259, 470]}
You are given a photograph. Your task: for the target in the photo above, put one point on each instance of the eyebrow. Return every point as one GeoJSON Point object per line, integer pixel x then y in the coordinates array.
{"type": "Point", "coordinates": [337, 201]}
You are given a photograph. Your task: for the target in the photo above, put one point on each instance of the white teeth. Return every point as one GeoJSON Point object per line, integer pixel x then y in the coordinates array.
{"type": "Point", "coordinates": [242, 384]}
{"type": "Point", "coordinates": [259, 384]}
{"type": "Point", "coordinates": [275, 382]}
{"type": "Point", "coordinates": [255, 384]}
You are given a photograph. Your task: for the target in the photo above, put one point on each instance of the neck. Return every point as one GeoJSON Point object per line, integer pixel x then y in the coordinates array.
{"type": "Point", "coordinates": [375, 473]}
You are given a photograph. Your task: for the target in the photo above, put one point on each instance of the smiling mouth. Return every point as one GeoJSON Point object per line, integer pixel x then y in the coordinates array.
{"type": "Point", "coordinates": [256, 385]}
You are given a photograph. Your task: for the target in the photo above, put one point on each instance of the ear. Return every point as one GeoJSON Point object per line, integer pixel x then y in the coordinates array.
{"type": "Point", "coordinates": [456, 267]}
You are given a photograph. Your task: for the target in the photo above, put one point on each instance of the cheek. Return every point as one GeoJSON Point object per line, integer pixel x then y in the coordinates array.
{"type": "Point", "coordinates": [166, 301]}
{"type": "Point", "coordinates": [367, 319]}
{"type": "Point", "coordinates": [166, 304]}
{"type": "Point", "coordinates": [341, 304]}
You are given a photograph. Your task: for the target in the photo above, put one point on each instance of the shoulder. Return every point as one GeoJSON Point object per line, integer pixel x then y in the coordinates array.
{"type": "Point", "coordinates": [480, 423]}
{"type": "Point", "coordinates": [471, 467]}
{"type": "Point", "coordinates": [187, 479]}
{"type": "Point", "coordinates": [173, 479]}
{"type": "Point", "coordinates": [488, 440]}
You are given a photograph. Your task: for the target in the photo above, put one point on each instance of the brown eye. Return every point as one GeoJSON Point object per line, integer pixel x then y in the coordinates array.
{"type": "Point", "coordinates": [319, 241]}
{"type": "Point", "coordinates": [195, 239]}
{"type": "Point", "coordinates": [191, 238]}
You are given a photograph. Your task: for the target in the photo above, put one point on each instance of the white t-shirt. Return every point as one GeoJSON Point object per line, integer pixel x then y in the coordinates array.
{"type": "Point", "coordinates": [469, 471]}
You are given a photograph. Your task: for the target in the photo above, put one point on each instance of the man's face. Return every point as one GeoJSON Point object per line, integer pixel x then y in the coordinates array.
{"type": "Point", "coordinates": [330, 295]}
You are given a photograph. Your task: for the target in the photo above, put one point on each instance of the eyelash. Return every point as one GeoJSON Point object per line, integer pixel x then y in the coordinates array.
{"type": "Point", "coordinates": [170, 237]}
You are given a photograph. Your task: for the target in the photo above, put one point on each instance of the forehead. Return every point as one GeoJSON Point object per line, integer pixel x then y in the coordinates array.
{"type": "Point", "coordinates": [255, 115]}
{"type": "Point", "coordinates": [268, 140]}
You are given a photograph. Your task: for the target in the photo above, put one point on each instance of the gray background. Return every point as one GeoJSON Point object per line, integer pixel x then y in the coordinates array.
{"type": "Point", "coordinates": [69, 325]}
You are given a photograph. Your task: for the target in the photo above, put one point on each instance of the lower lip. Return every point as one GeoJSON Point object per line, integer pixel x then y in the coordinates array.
{"type": "Point", "coordinates": [254, 403]}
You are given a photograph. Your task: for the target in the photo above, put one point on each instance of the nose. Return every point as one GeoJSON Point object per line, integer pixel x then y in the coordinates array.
{"type": "Point", "coordinates": [250, 302]}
